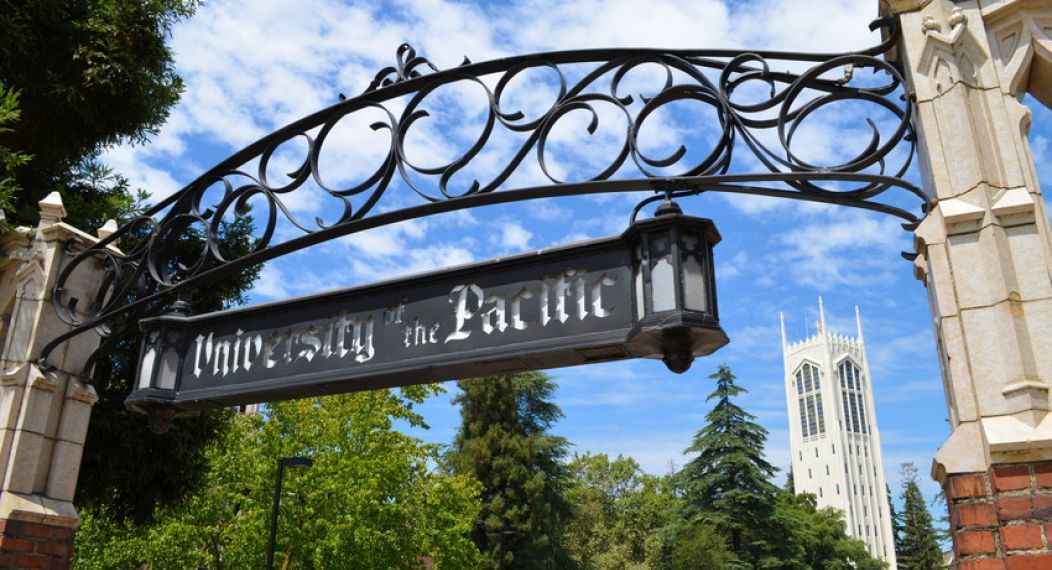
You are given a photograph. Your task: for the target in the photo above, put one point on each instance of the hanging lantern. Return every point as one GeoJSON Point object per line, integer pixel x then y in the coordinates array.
{"type": "Point", "coordinates": [675, 287]}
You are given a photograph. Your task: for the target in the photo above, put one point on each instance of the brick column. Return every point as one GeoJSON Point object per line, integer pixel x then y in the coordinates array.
{"type": "Point", "coordinates": [986, 259]}
{"type": "Point", "coordinates": [1002, 519]}
{"type": "Point", "coordinates": [35, 545]}
{"type": "Point", "coordinates": [43, 413]}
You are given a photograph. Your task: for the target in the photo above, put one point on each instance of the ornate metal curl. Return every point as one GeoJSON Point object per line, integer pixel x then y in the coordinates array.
{"type": "Point", "coordinates": [141, 280]}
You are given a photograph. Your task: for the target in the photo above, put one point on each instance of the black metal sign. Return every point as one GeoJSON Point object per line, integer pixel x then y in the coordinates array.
{"type": "Point", "coordinates": [547, 309]}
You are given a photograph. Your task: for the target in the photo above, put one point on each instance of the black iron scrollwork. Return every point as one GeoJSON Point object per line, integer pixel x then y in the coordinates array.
{"type": "Point", "coordinates": [759, 134]}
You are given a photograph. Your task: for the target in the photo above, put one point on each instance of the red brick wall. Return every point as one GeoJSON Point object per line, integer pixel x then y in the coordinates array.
{"type": "Point", "coordinates": [1002, 519]}
{"type": "Point", "coordinates": [33, 545]}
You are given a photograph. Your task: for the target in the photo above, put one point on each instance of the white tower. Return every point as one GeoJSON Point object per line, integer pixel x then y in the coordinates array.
{"type": "Point", "coordinates": [833, 432]}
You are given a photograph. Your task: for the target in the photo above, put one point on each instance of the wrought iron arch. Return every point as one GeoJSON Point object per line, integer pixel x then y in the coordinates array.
{"type": "Point", "coordinates": [145, 278]}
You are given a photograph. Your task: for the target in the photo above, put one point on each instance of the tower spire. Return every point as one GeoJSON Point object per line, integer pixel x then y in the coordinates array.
{"type": "Point", "coordinates": [781, 318]}
{"type": "Point", "coordinates": [821, 317]}
{"type": "Point", "coordinates": [858, 322]}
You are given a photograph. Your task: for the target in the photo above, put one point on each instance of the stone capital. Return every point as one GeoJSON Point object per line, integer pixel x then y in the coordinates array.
{"type": "Point", "coordinates": [895, 7]}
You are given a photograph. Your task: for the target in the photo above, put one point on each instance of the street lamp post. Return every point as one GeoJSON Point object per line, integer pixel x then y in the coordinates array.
{"type": "Point", "coordinates": [282, 463]}
{"type": "Point", "coordinates": [500, 534]}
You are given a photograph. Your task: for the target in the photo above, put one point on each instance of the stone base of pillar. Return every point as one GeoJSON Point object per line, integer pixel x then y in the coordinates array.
{"type": "Point", "coordinates": [35, 545]}
{"type": "Point", "coordinates": [1002, 519]}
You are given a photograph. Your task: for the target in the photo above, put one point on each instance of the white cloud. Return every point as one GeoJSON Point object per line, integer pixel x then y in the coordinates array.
{"type": "Point", "coordinates": [827, 254]}
{"type": "Point", "coordinates": [386, 241]}
{"type": "Point", "coordinates": [732, 267]}
{"type": "Point", "coordinates": [548, 211]}
{"type": "Point", "coordinates": [416, 260]}
{"type": "Point", "coordinates": [513, 236]}
{"type": "Point", "coordinates": [156, 181]}
{"type": "Point", "coordinates": [271, 283]}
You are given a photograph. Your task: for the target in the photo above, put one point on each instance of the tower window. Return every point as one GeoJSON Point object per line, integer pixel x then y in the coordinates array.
{"type": "Point", "coordinates": [851, 394]}
{"type": "Point", "coordinates": [809, 399]}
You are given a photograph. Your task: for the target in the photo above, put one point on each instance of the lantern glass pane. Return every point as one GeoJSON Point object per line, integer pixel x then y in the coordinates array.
{"type": "Point", "coordinates": [662, 275]}
{"type": "Point", "coordinates": [169, 368]}
{"type": "Point", "coordinates": [146, 368]}
{"type": "Point", "coordinates": [640, 311]}
{"type": "Point", "coordinates": [694, 290]}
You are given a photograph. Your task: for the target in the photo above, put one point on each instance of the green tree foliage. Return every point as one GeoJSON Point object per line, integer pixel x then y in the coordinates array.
{"type": "Point", "coordinates": [504, 443]}
{"type": "Point", "coordinates": [790, 482]}
{"type": "Point", "coordinates": [698, 544]}
{"type": "Point", "coordinates": [618, 511]}
{"type": "Point", "coordinates": [728, 483]}
{"type": "Point", "coordinates": [91, 73]}
{"type": "Point", "coordinates": [919, 549]}
{"type": "Point", "coordinates": [10, 160]}
{"type": "Point", "coordinates": [815, 538]}
{"type": "Point", "coordinates": [369, 501]}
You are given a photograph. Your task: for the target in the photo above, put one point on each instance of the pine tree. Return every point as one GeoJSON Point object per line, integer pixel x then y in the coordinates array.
{"type": "Point", "coordinates": [504, 442]}
{"type": "Point", "coordinates": [790, 484]}
{"type": "Point", "coordinates": [896, 522]}
{"type": "Point", "coordinates": [919, 547]}
{"type": "Point", "coordinates": [728, 483]}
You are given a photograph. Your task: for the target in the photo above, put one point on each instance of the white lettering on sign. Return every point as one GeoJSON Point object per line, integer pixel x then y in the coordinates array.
{"type": "Point", "coordinates": [473, 309]}
{"type": "Point", "coordinates": [555, 299]}
{"type": "Point", "coordinates": [338, 337]}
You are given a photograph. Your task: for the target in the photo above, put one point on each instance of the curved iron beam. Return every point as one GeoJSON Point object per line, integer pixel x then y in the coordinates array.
{"type": "Point", "coordinates": [765, 129]}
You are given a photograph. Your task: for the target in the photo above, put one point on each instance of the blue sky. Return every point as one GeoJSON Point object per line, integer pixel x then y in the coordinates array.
{"type": "Point", "coordinates": [251, 67]}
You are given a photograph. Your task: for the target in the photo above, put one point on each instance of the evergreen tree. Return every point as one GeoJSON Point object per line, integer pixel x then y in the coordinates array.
{"type": "Point", "coordinates": [504, 442]}
{"type": "Point", "coordinates": [896, 523]}
{"type": "Point", "coordinates": [919, 547]}
{"type": "Point", "coordinates": [728, 483]}
{"type": "Point", "coordinates": [790, 484]}
{"type": "Point", "coordinates": [77, 76]}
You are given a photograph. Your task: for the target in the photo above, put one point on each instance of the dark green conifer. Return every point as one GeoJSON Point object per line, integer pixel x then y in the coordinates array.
{"type": "Point", "coordinates": [504, 442]}
{"type": "Point", "coordinates": [919, 548]}
{"type": "Point", "coordinates": [896, 522]}
{"type": "Point", "coordinates": [728, 483]}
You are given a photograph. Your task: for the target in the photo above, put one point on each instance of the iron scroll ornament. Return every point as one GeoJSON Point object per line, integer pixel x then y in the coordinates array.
{"type": "Point", "coordinates": [143, 279]}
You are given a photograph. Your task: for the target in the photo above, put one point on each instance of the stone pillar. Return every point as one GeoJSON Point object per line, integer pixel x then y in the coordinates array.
{"type": "Point", "coordinates": [986, 259]}
{"type": "Point", "coordinates": [43, 413]}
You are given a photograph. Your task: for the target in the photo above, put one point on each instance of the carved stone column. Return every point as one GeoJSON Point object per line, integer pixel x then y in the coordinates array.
{"type": "Point", "coordinates": [986, 259]}
{"type": "Point", "coordinates": [43, 413]}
